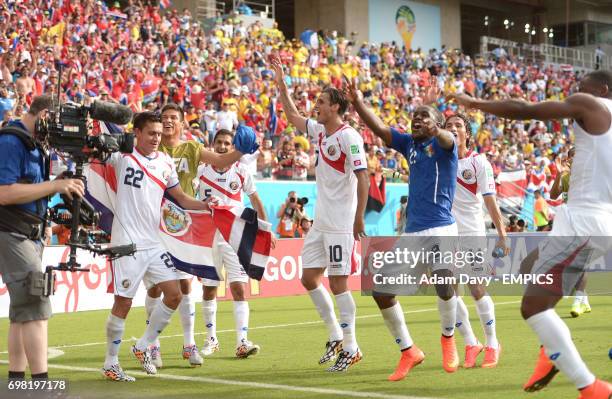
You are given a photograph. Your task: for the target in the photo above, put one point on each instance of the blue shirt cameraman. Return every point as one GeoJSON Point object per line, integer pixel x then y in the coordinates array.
{"type": "Point", "coordinates": [24, 192]}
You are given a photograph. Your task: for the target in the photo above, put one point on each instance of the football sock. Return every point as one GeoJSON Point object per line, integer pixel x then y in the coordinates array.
{"type": "Point", "coordinates": [581, 297]}
{"type": "Point", "coordinates": [114, 332]}
{"type": "Point", "coordinates": [209, 311]}
{"type": "Point", "coordinates": [557, 340]}
{"type": "Point", "coordinates": [150, 304]}
{"type": "Point", "coordinates": [486, 313]}
{"type": "Point", "coordinates": [241, 317]}
{"type": "Point", "coordinates": [347, 310]}
{"type": "Point", "coordinates": [463, 324]}
{"type": "Point", "coordinates": [159, 320]}
{"type": "Point", "coordinates": [323, 302]}
{"type": "Point", "coordinates": [448, 315]}
{"type": "Point", "coordinates": [187, 311]}
{"type": "Point", "coordinates": [394, 319]}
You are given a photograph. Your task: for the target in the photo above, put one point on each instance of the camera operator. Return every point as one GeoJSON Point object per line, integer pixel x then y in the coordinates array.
{"type": "Point", "coordinates": [24, 192]}
{"type": "Point", "coordinates": [289, 216]}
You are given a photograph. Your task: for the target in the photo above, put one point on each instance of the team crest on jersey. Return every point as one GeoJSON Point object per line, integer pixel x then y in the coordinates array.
{"type": "Point", "coordinates": [467, 174]}
{"type": "Point", "coordinates": [429, 151]}
{"type": "Point", "coordinates": [331, 150]}
{"type": "Point", "coordinates": [175, 221]}
{"type": "Point", "coordinates": [234, 185]}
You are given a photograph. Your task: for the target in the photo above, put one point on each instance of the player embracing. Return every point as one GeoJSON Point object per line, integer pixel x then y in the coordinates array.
{"type": "Point", "coordinates": [342, 193]}
{"type": "Point", "coordinates": [187, 155]}
{"type": "Point", "coordinates": [581, 231]}
{"type": "Point", "coordinates": [227, 185]}
{"type": "Point", "coordinates": [432, 155]}
{"type": "Point", "coordinates": [142, 179]}
{"type": "Point", "coordinates": [475, 184]}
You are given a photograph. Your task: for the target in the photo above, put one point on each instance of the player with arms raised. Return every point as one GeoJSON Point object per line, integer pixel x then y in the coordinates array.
{"type": "Point", "coordinates": [342, 193]}
{"type": "Point", "coordinates": [432, 155]}
{"type": "Point", "coordinates": [227, 185]}
{"type": "Point", "coordinates": [142, 179]}
{"type": "Point", "coordinates": [584, 221]}
{"type": "Point", "coordinates": [187, 155]}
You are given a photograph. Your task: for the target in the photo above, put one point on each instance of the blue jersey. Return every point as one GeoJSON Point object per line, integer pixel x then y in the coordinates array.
{"type": "Point", "coordinates": [433, 178]}
{"type": "Point", "coordinates": [20, 165]}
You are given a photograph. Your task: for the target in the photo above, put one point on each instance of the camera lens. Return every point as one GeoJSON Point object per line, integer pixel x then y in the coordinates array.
{"type": "Point", "coordinates": [291, 199]}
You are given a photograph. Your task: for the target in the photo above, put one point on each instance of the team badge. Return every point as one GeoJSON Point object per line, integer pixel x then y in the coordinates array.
{"type": "Point", "coordinates": [331, 150]}
{"type": "Point", "coordinates": [357, 162]}
{"type": "Point", "coordinates": [125, 283]}
{"type": "Point", "coordinates": [429, 151]}
{"type": "Point", "coordinates": [175, 221]}
{"type": "Point", "coordinates": [234, 185]}
{"type": "Point", "coordinates": [467, 174]}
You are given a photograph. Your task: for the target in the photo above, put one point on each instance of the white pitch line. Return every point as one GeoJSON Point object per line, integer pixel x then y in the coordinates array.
{"type": "Point", "coordinates": [260, 385]}
{"type": "Point", "coordinates": [303, 323]}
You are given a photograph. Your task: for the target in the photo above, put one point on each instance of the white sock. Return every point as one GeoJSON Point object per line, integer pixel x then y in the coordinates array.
{"type": "Point", "coordinates": [241, 317]}
{"type": "Point", "coordinates": [448, 315]}
{"type": "Point", "coordinates": [323, 302]}
{"type": "Point", "coordinates": [209, 311]}
{"type": "Point", "coordinates": [150, 304]}
{"type": "Point", "coordinates": [187, 311]}
{"type": "Point", "coordinates": [581, 297]}
{"type": "Point", "coordinates": [557, 340]}
{"type": "Point", "coordinates": [159, 320]}
{"type": "Point", "coordinates": [394, 319]}
{"type": "Point", "coordinates": [114, 332]}
{"type": "Point", "coordinates": [347, 310]}
{"type": "Point", "coordinates": [463, 323]}
{"type": "Point", "coordinates": [486, 312]}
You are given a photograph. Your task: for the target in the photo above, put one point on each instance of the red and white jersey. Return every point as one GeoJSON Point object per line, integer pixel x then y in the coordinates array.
{"type": "Point", "coordinates": [228, 186]}
{"type": "Point", "coordinates": [339, 154]}
{"type": "Point", "coordinates": [474, 180]}
{"type": "Point", "coordinates": [141, 182]}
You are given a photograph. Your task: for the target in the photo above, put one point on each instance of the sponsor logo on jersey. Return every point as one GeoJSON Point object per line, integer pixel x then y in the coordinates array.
{"type": "Point", "coordinates": [234, 185]}
{"type": "Point", "coordinates": [221, 180]}
{"type": "Point", "coordinates": [467, 174]}
{"type": "Point", "coordinates": [331, 150]}
{"type": "Point", "coordinates": [175, 221]}
{"type": "Point", "coordinates": [354, 149]}
{"type": "Point", "coordinates": [357, 162]}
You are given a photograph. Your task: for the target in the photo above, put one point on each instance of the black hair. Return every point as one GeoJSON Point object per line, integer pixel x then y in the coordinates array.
{"type": "Point", "coordinates": [40, 103]}
{"type": "Point", "coordinates": [141, 119]}
{"type": "Point", "coordinates": [223, 132]}
{"type": "Point", "coordinates": [173, 107]}
{"type": "Point", "coordinates": [602, 77]}
{"type": "Point", "coordinates": [466, 122]}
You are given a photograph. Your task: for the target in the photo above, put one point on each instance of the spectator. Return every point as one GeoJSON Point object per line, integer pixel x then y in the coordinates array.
{"type": "Point", "coordinates": [301, 162]}
{"type": "Point", "coordinates": [304, 227]}
{"type": "Point", "coordinates": [266, 160]}
{"type": "Point", "coordinates": [285, 158]}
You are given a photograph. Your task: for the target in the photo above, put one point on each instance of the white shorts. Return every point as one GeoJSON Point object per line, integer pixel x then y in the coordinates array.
{"type": "Point", "coordinates": [151, 266]}
{"type": "Point", "coordinates": [336, 252]}
{"type": "Point", "coordinates": [474, 256]}
{"type": "Point", "coordinates": [430, 238]}
{"type": "Point", "coordinates": [224, 255]}
{"type": "Point", "coordinates": [577, 238]}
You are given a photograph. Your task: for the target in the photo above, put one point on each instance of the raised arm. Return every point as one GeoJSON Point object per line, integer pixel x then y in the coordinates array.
{"type": "Point", "coordinates": [591, 114]}
{"type": "Point", "coordinates": [293, 116]}
{"type": "Point", "coordinates": [219, 160]}
{"type": "Point", "coordinates": [372, 121]}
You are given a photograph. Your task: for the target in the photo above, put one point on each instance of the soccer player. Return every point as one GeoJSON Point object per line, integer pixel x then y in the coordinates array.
{"type": "Point", "coordinates": [432, 155]}
{"type": "Point", "coordinates": [342, 194]}
{"type": "Point", "coordinates": [585, 219]}
{"type": "Point", "coordinates": [561, 187]}
{"type": "Point", "coordinates": [187, 155]}
{"type": "Point", "coordinates": [142, 179]}
{"type": "Point", "coordinates": [227, 185]}
{"type": "Point", "coordinates": [475, 183]}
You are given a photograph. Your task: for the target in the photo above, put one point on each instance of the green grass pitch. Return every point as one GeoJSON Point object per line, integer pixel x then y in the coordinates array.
{"type": "Point", "coordinates": [292, 339]}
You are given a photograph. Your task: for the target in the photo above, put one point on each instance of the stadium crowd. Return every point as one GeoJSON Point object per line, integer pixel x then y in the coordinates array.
{"type": "Point", "coordinates": [143, 56]}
